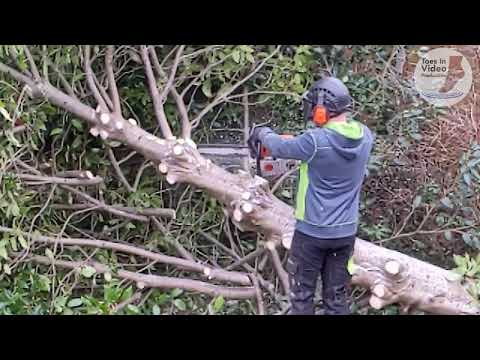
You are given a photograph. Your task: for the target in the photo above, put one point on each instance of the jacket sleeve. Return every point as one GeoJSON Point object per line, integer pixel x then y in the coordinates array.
{"type": "Point", "coordinates": [302, 147]}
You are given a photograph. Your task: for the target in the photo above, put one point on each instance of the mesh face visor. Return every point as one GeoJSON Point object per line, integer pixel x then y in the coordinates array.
{"type": "Point", "coordinates": [307, 104]}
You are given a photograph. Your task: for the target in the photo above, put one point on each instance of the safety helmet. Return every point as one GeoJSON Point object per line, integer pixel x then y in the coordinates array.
{"type": "Point", "coordinates": [327, 98]}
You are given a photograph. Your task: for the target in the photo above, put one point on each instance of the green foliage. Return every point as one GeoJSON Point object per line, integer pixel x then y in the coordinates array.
{"type": "Point", "coordinates": [469, 269]}
{"type": "Point", "coordinates": [470, 172]}
{"type": "Point", "coordinates": [376, 231]}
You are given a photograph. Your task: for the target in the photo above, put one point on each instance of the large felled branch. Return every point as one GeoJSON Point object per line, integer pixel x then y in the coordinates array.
{"type": "Point", "coordinates": [207, 271]}
{"type": "Point", "coordinates": [156, 281]}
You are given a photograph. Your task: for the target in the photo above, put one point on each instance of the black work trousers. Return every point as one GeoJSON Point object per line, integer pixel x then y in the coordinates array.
{"type": "Point", "coordinates": [310, 258]}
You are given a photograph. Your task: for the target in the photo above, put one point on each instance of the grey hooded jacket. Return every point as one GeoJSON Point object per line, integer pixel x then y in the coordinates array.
{"type": "Point", "coordinates": [333, 166]}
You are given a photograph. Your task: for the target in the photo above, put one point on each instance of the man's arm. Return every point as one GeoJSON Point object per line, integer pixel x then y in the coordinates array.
{"type": "Point", "coordinates": [299, 148]}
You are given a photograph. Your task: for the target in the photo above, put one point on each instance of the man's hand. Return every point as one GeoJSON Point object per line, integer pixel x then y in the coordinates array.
{"type": "Point", "coordinates": [255, 138]}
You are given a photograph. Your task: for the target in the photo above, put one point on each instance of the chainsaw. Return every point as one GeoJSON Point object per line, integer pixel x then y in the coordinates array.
{"type": "Point", "coordinates": [237, 156]}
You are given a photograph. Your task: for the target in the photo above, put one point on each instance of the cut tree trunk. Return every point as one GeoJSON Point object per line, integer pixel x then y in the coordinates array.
{"type": "Point", "coordinates": [405, 280]}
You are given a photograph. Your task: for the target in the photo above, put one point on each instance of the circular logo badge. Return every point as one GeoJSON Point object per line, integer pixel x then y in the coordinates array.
{"type": "Point", "coordinates": [443, 76]}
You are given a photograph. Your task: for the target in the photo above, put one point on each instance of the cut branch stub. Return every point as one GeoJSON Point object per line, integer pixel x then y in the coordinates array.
{"type": "Point", "coordinates": [237, 215]}
{"type": "Point", "coordinates": [247, 208]}
{"type": "Point", "coordinates": [287, 240]}
{"type": "Point", "coordinates": [246, 195]}
{"type": "Point", "coordinates": [105, 118]}
{"type": "Point", "coordinates": [376, 302]}
{"type": "Point", "coordinates": [119, 125]}
{"type": "Point", "coordinates": [171, 179]}
{"type": "Point", "coordinates": [381, 291]}
{"type": "Point", "coordinates": [178, 150]}
{"type": "Point", "coordinates": [104, 134]}
{"type": "Point", "coordinates": [207, 271]}
{"type": "Point", "coordinates": [132, 122]}
{"type": "Point", "coordinates": [94, 131]}
{"type": "Point", "coordinates": [392, 267]}
{"type": "Point", "coordinates": [270, 245]}
{"type": "Point", "coordinates": [163, 168]}
{"type": "Point", "coordinates": [191, 143]}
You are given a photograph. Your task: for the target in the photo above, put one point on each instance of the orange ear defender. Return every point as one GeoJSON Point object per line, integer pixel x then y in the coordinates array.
{"type": "Point", "coordinates": [320, 115]}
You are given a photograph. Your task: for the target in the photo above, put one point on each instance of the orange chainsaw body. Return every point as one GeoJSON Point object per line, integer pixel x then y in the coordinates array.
{"type": "Point", "coordinates": [271, 167]}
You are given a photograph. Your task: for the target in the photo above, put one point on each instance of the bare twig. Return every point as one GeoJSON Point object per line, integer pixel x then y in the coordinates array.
{"type": "Point", "coordinates": [45, 63]}
{"type": "Point", "coordinates": [282, 179]}
{"type": "Point", "coordinates": [74, 174]}
{"type": "Point", "coordinates": [202, 73]}
{"type": "Point", "coordinates": [282, 274]}
{"type": "Point", "coordinates": [246, 259]}
{"type": "Point", "coordinates": [134, 298]}
{"type": "Point", "coordinates": [246, 118]}
{"type": "Point", "coordinates": [160, 212]}
{"type": "Point", "coordinates": [182, 109]}
{"type": "Point", "coordinates": [128, 157]}
{"type": "Point", "coordinates": [118, 171]}
{"type": "Point", "coordinates": [60, 180]}
{"type": "Point", "coordinates": [90, 80]}
{"type": "Point", "coordinates": [219, 244]}
{"type": "Point", "coordinates": [112, 85]}
{"type": "Point", "coordinates": [155, 95]}
{"type": "Point", "coordinates": [62, 78]}
{"type": "Point", "coordinates": [106, 207]}
{"type": "Point", "coordinates": [138, 177]}
{"type": "Point", "coordinates": [264, 92]}
{"type": "Point", "coordinates": [258, 295]}
{"type": "Point", "coordinates": [173, 71]}
{"type": "Point", "coordinates": [103, 92]}
{"type": "Point", "coordinates": [33, 67]}
{"type": "Point", "coordinates": [426, 232]}
{"type": "Point", "coordinates": [178, 247]}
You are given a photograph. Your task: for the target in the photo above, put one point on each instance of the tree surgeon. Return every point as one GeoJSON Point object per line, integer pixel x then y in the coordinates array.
{"type": "Point", "coordinates": [333, 157]}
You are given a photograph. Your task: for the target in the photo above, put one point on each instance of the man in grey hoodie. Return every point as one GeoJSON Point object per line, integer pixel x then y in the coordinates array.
{"type": "Point", "coordinates": [334, 159]}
